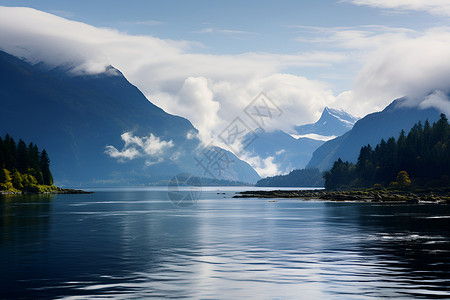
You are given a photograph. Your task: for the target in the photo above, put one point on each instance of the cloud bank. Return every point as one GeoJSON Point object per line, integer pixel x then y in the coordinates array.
{"type": "Point", "coordinates": [212, 90]}
{"type": "Point", "coordinates": [167, 71]}
{"type": "Point", "coordinates": [412, 67]}
{"type": "Point", "coordinates": [392, 62]}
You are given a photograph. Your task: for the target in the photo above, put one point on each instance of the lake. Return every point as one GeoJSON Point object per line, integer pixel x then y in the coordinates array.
{"type": "Point", "coordinates": [127, 243]}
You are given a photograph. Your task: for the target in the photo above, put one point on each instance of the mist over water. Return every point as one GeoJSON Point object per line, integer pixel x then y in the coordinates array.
{"type": "Point", "coordinates": [134, 243]}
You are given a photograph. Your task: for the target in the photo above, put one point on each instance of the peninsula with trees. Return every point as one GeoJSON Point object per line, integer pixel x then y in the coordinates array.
{"type": "Point", "coordinates": [26, 169]}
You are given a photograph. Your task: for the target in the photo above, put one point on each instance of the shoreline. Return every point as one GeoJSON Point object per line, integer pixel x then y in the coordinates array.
{"type": "Point", "coordinates": [53, 192]}
{"type": "Point", "coordinates": [352, 196]}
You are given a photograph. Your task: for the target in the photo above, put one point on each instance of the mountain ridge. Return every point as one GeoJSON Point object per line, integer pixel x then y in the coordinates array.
{"type": "Point", "coordinates": [289, 151]}
{"type": "Point", "coordinates": [76, 117]}
{"type": "Point", "coordinates": [332, 122]}
{"type": "Point", "coordinates": [370, 130]}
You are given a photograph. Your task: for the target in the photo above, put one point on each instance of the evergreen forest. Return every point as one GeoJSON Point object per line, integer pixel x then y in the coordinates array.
{"type": "Point", "coordinates": [420, 159]}
{"type": "Point", "coordinates": [23, 168]}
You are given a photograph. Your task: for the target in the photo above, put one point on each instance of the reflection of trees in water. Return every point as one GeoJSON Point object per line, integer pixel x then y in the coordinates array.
{"type": "Point", "coordinates": [90, 244]}
{"type": "Point", "coordinates": [411, 243]}
{"type": "Point", "coordinates": [24, 217]}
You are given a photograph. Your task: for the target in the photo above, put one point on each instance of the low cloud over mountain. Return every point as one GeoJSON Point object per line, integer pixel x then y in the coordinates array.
{"type": "Point", "coordinates": [212, 90]}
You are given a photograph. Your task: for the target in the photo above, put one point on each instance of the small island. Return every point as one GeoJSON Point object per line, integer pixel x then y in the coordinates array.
{"type": "Point", "coordinates": [26, 170]}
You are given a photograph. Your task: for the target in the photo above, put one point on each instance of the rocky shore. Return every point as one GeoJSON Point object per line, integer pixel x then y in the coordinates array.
{"type": "Point", "coordinates": [71, 191]}
{"type": "Point", "coordinates": [357, 196]}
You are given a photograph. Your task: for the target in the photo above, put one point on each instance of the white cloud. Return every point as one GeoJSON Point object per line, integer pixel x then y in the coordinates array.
{"type": "Point", "coordinates": [413, 67]}
{"type": "Point", "coordinates": [151, 147]}
{"type": "Point", "coordinates": [314, 136]}
{"type": "Point", "coordinates": [435, 7]}
{"type": "Point", "coordinates": [125, 154]}
{"type": "Point", "coordinates": [209, 90]}
{"type": "Point", "coordinates": [195, 99]}
{"type": "Point", "coordinates": [264, 166]}
{"type": "Point", "coordinates": [392, 62]}
{"type": "Point", "coordinates": [356, 37]}
{"type": "Point", "coordinates": [191, 135]}
{"type": "Point", "coordinates": [224, 31]}
{"type": "Point", "coordinates": [280, 152]}
{"type": "Point", "coordinates": [154, 146]}
{"type": "Point", "coordinates": [439, 100]}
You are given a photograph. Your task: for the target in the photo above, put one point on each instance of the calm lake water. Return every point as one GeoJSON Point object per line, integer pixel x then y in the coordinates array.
{"type": "Point", "coordinates": [134, 243]}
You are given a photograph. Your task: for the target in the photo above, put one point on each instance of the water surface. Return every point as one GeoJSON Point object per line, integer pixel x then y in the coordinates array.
{"type": "Point", "coordinates": [134, 243]}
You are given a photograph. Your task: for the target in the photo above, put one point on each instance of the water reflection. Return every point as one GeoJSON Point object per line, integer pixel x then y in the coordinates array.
{"type": "Point", "coordinates": [136, 244]}
{"type": "Point", "coordinates": [24, 229]}
{"type": "Point", "coordinates": [24, 217]}
{"type": "Point", "coordinates": [411, 244]}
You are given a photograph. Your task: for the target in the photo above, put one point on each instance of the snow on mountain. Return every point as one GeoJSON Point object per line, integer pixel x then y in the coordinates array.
{"type": "Point", "coordinates": [333, 122]}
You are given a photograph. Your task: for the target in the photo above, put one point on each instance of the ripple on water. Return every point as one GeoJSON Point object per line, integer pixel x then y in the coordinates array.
{"type": "Point", "coordinates": [126, 245]}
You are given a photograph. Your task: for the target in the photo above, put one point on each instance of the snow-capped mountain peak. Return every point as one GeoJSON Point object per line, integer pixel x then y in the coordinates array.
{"type": "Point", "coordinates": [340, 114]}
{"type": "Point", "coordinates": [332, 122]}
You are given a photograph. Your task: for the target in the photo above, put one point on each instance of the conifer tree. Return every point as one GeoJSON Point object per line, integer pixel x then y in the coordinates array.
{"type": "Point", "coordinates": [10, 153]}
{"type": "Point", "coordinates": [16, 179]}
{"type": "Point", "coordinates": [21, 156]}
{"type": "Point", "coordinates": [3, 176]}
{"type": "Point", "coordinates": [45, 168]}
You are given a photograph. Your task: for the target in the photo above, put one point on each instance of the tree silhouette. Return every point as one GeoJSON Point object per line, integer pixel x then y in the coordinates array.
{"type": "Point", "coordinates": [45, 168]}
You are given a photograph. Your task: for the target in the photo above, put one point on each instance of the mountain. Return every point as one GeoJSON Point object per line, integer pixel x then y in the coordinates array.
{"type": "Point", "coordinates": [332, 122]}
{"type": "Point", "coordinates": [292, 151]}
{"type": "Point", "coordinates": [370, 130]}
{"type": "Point", "coordinates": [288, 152]}
{"type": "Point", "coordinates": [101, 130]}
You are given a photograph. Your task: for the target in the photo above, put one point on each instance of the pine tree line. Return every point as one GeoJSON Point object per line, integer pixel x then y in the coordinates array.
{"type": "Point", "coordinates": [421, 159]}
{"type": "Point", "coordinates": [23, 167]}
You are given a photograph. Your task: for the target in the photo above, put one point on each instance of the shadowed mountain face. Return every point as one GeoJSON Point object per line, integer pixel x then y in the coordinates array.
{"type": "Point", "coordinates": [370, 130]}
{"type": "Point", "coordinates": [290, 152]}
{"type": "Point", "coordinates": [333, 122]}
{"type": "Point", "coordinates": [101, 130]}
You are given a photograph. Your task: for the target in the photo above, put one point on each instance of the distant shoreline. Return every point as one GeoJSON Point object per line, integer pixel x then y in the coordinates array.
{"type": "Point", "coordinates": [354, 196]}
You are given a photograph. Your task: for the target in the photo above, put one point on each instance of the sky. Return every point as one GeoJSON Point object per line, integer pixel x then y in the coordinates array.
{"type": "Point", "coordinates": [207, 60]}
{"type": "Point", "coordinates": [235, 27]}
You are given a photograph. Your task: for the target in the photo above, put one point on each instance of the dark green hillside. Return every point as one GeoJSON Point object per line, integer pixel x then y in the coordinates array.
{"type": "Point", "coordinates": [420, 159]}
